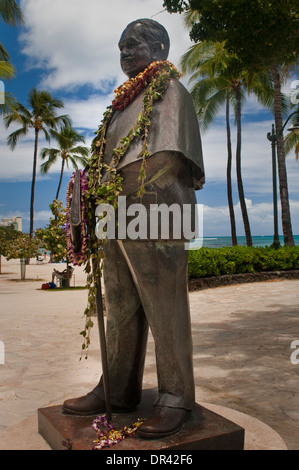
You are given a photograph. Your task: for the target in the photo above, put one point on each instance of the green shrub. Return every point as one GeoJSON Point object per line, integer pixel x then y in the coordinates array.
{"type": "Point", "coordinates": [207, 262]}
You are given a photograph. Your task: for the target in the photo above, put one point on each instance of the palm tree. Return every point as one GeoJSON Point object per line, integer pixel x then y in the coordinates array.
{"type": "Point", "coordinates": [69, 151]}
{"type": "Point", "coordinates": [216, 84]}
{"type": "Point", "coordinates": [282, 172]}
{"type": "Point", "coordinates": [229, 174]}
{"type": "Point", "coordinates": [211, 62]}
{"type": "Point", "coordinates": [40, 117]}
{"type": "Point", "coordinates": [209, 95]}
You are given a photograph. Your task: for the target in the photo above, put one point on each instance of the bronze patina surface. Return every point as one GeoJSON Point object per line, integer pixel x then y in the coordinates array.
{"type": "Point", "coordinates": [146, 280]}
{"type": "Point", "coordinates": [204, 430]}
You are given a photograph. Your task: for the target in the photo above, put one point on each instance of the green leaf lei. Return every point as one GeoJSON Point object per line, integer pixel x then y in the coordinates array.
{"type": "Point", "coordinates": [154, 80]}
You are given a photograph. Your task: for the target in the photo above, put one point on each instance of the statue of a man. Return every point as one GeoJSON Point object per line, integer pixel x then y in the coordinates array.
{"type": "Point", "coordinates": [146, 280]}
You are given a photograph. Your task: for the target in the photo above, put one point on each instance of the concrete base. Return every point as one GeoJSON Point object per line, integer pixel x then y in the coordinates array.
{"type": "Point", "coordinates": [204, 430]}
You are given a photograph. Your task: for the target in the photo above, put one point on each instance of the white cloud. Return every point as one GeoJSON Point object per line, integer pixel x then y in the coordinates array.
{"type": "Point", "coordinates": [87, 114]}
{"type": "Point", "coordinates": [255, 153]}
{"type": "Point", "coordinates": [17, 165]}
{"type": "Point", "coordinates": [216, 219]}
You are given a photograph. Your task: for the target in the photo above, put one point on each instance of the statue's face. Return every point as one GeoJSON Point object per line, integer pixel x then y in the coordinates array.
{"type": "Point", "coordinates": [135, 53]}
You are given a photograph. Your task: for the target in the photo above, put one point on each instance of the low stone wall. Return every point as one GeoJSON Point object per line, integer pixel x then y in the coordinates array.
{"type": "Point", "coordinates": [231, 279]}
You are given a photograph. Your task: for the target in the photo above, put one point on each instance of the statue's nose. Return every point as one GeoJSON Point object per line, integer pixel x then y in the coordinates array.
{"type": "Point", "coordinates": [125, 52]}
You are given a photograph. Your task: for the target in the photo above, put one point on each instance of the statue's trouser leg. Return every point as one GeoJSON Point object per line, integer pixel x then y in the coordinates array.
{"type": "Point", "coordinates": [146, 283]}
{"type": "Point", "coordinates": [127, 329]}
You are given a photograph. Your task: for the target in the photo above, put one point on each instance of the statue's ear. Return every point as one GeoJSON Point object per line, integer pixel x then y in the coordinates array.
{"type": "Point", "coordinates": [157, 48]}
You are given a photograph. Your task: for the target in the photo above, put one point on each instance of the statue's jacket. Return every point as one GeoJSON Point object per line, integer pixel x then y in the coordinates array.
{"type": "Point", "coordinates": [174, 168]}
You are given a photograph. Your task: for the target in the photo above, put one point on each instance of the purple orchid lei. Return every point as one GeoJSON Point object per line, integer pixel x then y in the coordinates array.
{"type": "Point", "coordinates": [107, 435]}
{"type": "Point", "coordinates": [77, 259]}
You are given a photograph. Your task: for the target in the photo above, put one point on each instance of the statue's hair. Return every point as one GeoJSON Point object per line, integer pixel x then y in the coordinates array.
{"type": "Point", "coordinates": [153, 31]}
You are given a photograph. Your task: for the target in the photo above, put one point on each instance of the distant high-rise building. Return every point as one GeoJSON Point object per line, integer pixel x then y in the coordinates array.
{"type": "Point", "coordinates": [15, 221]}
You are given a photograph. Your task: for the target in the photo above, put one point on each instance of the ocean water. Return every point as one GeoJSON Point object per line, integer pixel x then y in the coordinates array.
{"type": "Point", "coordinates": [220, 242]}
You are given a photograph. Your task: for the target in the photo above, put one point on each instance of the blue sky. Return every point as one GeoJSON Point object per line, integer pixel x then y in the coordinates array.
{"type": "Point", "coordinates": [69, 48]}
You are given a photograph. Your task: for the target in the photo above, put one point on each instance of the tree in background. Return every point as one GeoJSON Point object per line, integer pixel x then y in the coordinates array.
{"type": "Point", "coordinates": [40, 116]}
{"type": "Point", "coordinates": [19, 245]}
{"type": "Point", "coordinates": [264, 35]}
{"type": "Point", "coordinates": [260, 32]}
{"type": "Point", "coordinates": [69, 151]}
{"type": "Point", "coordinates": [6, 233]}
{"type": "Point", "coordinates": [53, 237]}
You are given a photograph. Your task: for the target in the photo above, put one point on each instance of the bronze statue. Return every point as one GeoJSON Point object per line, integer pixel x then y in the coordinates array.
{"type": "Point", "coordinates": [146, 280]}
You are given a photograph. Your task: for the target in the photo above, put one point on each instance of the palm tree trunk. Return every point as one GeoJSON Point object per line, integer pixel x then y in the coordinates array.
{"type": "Point", "coordinates": [33, 183]}
{"type": "Point", "coordinates": [239, 172]}
{"type": "Point", "coordinates": [60, 180]}
{"type": "Point", "coordinates": [229, 178]}
{"type": "Point", "coordinates": [282, 173]}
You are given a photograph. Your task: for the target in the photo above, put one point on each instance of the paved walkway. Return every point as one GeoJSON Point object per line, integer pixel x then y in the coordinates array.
{"type": "Point", "coordinates": [242, 355]}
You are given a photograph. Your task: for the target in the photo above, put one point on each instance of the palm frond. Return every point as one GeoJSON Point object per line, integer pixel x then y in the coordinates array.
{"type": "Point", "coordinates": [7, 70]}
{"type": "Point", "coordinates": [212, 107]}
{"type": "Point", "coordinates": [8, 104]}
{"type": "Point", "coordinates": [80, 151]}
{"type": "Point", "coordinates": [50, 153]}
{"type": "Point", "coordinates": [4, 55]}
{"type": "Point", "coordinates": [291, 140]}
{"type": "Point", "coordinates": [190, 17]}
{"type": "Point", "coordinates": [14, 137]}
{"type": "Point", "coordinates": [45, 167]}
{"type": "Point", "coordinates": [11, 12]}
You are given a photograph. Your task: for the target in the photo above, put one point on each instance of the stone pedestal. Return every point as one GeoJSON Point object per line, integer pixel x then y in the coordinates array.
{"type": "Point", "coordinates": [204, 430]}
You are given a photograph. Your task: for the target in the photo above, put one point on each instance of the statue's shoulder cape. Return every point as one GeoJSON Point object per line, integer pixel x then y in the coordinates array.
{"type": "Point", "coordinates": [174, 127]}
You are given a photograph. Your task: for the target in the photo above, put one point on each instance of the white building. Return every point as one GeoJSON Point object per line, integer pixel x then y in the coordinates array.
{"type": "Point", "coordinates": [15, 221]}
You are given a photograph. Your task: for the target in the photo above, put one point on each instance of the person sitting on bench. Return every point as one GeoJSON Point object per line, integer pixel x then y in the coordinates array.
{"type": "Point", "coordinates": [63, 276]}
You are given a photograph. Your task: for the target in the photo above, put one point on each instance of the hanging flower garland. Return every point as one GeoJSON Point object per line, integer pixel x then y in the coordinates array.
{"type": "Point", "coordinates": [154, 80]}
{"type": "Point", "coordinates": [77, 259]}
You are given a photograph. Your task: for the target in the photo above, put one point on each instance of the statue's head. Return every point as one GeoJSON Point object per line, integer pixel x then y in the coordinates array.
{"type": "Point", "coordinates": [142, 42]}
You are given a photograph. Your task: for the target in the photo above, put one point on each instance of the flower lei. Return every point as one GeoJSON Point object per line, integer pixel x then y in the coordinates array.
{"type": "Point", "coordinates": [77, 259]}
{"type": "Point", "coordinates": [109, 435]}
{"type": "Point", "coordinates": [125, 93]}
{"type": "Point", "coordinates": [154, 79]}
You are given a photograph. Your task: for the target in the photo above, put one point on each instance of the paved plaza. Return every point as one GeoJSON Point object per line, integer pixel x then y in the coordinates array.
{"type": "Point", "coordinates": [245, 367]}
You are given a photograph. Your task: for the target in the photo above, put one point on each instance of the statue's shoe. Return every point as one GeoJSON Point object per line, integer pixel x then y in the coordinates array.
{"type": "Point", "coordinates": [88, 405]}
{"type": "Point", "coordinates": [163, 422]}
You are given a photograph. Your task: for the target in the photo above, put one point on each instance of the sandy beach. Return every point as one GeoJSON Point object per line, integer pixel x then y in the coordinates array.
{"type": "Point", "coordinates": [242, 355]}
